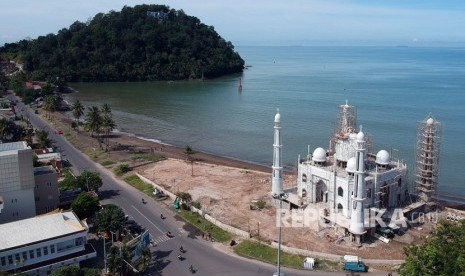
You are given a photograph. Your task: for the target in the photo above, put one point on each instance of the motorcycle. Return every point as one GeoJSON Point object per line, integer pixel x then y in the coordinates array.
{"type": "Point", "coordinates": [182, 250]}
{"type": "Point", "coordinates": [162, 216]}
{"type": "Point", "coordinates": [143, 201]}
{"type": "Point", "coordinates": [169, 234]}
{"type": "Point", "coordinates": [191, 269]}
{"type": "Point", "coordinates": [180, 257]}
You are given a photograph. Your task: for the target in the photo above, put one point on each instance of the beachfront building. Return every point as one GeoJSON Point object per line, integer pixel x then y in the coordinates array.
{"type": "Point", "coordinates": [46, 193]}
{"type": "Point", "coordinates": [38, 245]}
{"type": "Point", "coordinates": [16, 182]}
{"type": "Point", "coordinates": [347, 182]}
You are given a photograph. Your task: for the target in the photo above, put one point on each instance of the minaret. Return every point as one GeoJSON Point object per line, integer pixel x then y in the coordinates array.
{"type": "Point", "coordinates": [277, 178]}
{"type": "Point", "coordinates": [357, 217]}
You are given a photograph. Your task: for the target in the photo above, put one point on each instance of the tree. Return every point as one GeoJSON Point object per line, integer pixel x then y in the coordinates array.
{"type": "Point", "coordinates": [108, 124]}
{"type": "Point", "coordinates": [78, 110]}
{"type": "Point", "coordinates": [110, 218]}
{"type": "Point", "coordinates": [441, 254]}
{"type": "Point", "coordinates": [94, 122]}
{"type": "Point", "coordinates": [85, 206]}
{"type": "Point", "coordinates": [89, 181]}
{"type": "Point", "coordinates": [146, 256]}
{"type": "Point", "coordinates": [42, 139]}
{"type": "Point", "coordinates": [75, 271]}
{"type": "Point", "coordinates": [51, 103]}
{"type": "Point", "coordinates": [189, 152]}
{"type": "Point", "coordinates": [6, 129]}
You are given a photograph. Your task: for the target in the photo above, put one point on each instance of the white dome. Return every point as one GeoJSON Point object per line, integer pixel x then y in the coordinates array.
{"type": "Point", "coordinates": [277, 118]}
{"type": "Point", "coordinates": [319, 155]}
{"type": "Point", "coordinates": [430, 121]}
{"type": "Point", "coordinates": [382, 157]}
{"type": "Point", "coordinates": [360, 136]}
{"type": "Point", "coordinates": [351, 165]}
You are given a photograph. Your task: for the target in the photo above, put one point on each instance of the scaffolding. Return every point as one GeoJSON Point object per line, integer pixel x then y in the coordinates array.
{"type": "Point", "coordinates": [429, 136]}
{"type": "Point", "coordinates": [345, 125]}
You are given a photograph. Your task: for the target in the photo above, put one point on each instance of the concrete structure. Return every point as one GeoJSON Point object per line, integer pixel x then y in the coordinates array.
{"type": "Point", "coordinates": [427, 158]}
{"type": "Point", "coordinates": [46, 193]}
{"type": "Point", "coordinates": [277, 178]}
{"type": "Point", "coordinates": [347, 183]}
{"type": "Point", "coordinates": [43, 243]}
{"type": "Point", "coordinates": [16, 182]}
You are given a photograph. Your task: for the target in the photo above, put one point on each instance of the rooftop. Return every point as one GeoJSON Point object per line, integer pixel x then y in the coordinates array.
{"type": "Point", "coordinates": [43, 170]}
{"type": "Point", "coordinates": [48, 226]}
{"type": "Point", "coordinates": [15, 146]}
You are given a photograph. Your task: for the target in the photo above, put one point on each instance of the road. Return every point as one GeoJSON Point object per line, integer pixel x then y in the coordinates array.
{"type": "Point", "coordinates": [206, 257]}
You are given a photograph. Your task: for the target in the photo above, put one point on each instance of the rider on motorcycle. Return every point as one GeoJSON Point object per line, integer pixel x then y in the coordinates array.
{"type": "Point", "coordinates": [181, 249]}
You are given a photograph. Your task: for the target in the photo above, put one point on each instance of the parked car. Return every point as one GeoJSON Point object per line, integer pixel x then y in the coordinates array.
{"type": "Point", "coordinates": [58, 131]}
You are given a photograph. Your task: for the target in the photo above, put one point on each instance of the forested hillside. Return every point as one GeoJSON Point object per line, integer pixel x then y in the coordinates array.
{"type": "Point", "coordinates": [147, 42]}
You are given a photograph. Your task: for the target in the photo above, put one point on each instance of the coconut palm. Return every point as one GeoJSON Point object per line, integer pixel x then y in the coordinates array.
{"type": "Point", "coordinates": [94, 122]}
{"type": "Point", "coordinates": [43, 141]}
{"type": "Point", "coordinates": [189, 152]}
{"type": "Point", "coordinates": [51, 103]}
{"type": "Point", "coordinates": [78, 110]}
{"type": "Point", "coordinates": [108, 124]}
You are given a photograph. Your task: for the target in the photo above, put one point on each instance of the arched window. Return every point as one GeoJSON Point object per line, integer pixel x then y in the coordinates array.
{"type": "Point", "coordinates": [339, 208]}
{"type": "Point", "coordinates": [304, 193]}
{"type": "Point", "coordinates": [304, 178]}
{"type": "Point", "coordinates": [340, 191]}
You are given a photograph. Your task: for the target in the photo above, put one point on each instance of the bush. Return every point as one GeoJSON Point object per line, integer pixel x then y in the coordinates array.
{"type": "Point", "coordinates": [197, 205]}
{"type": "Point", "coordinates": [122, 169]}
{"type": "Point", "coordinates": [184, 206]}
{"type": "Point", "coordinates": [261, 204]}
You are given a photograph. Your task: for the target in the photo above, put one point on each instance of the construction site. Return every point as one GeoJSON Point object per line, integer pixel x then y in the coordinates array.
{"type": "Point", "coordinates": [244, 199]}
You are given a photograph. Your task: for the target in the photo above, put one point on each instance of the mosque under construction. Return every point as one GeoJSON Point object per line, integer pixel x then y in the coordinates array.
{"type": "Point", "coordinates": [349, 185]}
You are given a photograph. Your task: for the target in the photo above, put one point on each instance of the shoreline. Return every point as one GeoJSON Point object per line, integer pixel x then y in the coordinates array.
{"type": "Point", "coordinates": [124, 144]}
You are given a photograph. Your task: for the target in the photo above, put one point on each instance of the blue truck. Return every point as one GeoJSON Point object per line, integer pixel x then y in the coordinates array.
{"type": "Point", "coordinates": [354, 263]}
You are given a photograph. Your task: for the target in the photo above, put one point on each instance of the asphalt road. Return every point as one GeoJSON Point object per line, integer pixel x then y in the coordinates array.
{"type": "Point", "coordinates": [204, 256]}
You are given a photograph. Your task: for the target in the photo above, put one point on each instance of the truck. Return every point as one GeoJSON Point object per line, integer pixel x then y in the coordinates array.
{"type": "Point", "coordinates": [354, 263]}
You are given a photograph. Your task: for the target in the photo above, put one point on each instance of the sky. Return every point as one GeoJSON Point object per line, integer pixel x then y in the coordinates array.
{"type": "Point", "coordinates": [267, 22]}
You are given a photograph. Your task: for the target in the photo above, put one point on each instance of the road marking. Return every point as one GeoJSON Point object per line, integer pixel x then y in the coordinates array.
{"type": "Point", "coordinates": [147, 219]}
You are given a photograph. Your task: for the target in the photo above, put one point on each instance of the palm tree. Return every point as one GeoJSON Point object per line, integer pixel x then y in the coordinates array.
{"type": "Point", "coordinates": [42, 139]}
{"type": "Point", "coordinates": [189, 152]}
{"type": "Point", "coordinates": [51, 103]}
{"type": "Point", "coordinates": [108, 124]}
{"type": "Point", "coordinates": [78, 110]}
{"type": "Point", "coordinates": [94, 122]}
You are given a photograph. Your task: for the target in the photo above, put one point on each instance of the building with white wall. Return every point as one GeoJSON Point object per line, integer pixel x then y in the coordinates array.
{"type": "Point", "coordinates": [16, 182]}
{"type": "Point", "coordinates": [347, 182]}
{"type": "Point", "coordinates": [38, 245]}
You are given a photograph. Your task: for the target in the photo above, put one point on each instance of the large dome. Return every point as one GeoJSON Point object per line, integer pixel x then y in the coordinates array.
{"type": "Point", "coordinates": [382, 157]}
{"type": "Point", "coordinates": [351, 165]}
{"type": "Point", "coordinates": [319, 155]}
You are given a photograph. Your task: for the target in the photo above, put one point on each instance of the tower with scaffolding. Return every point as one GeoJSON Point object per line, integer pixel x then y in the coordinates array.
{"type": "Point", "coordinates": [429, 136]}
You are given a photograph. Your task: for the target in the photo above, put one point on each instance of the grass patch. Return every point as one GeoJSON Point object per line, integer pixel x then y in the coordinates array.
{"type": "Point", "coordinates": [148, 157]}
{"type": "Point", "coordinates": [198, 221]}
{"type": "Point", "coordinates": [267, 254]}
{"type": "Point", "coordinates": [107, 163]}
{"type": "Point", "coordinates": [137, 183]}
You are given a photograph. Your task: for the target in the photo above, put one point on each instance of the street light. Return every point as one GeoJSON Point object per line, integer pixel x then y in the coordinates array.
{"type": "Point", "coordinates": [280, 197]}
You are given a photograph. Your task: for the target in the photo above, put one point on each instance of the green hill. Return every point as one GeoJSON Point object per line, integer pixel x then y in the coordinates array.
{"type": "Point", "coordinates": [147, 42]}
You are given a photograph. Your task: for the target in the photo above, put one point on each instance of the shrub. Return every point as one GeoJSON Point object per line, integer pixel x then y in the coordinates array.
{"type": "Point", "coordinates": [122, 169]}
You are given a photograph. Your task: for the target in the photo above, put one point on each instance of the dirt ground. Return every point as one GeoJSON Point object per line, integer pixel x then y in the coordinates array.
{"type": "Point", "coordinates": [225, 189]}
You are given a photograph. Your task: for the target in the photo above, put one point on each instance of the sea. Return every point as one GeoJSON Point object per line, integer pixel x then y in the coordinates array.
{"type": "Point", "coordinates": [393, 89]}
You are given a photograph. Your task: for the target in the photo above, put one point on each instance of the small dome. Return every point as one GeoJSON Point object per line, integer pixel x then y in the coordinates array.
{"type": "Point", "coordinates": [351, 165]}
{"type": "Point", "coordinates": [360, 136]}
{"type": "Point", "coordinates": [430, 121]}
{"type": "Point", "coordinates": [319, 155]}
{"type": "Point", "coordinates": [277, 118]}
{"type": "Point", "coordinates": [382, 157]}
